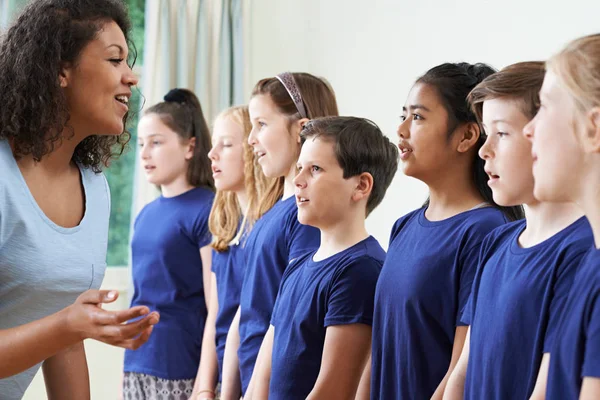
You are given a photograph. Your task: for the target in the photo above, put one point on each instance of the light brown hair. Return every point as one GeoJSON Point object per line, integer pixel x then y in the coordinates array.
{"type": "Point", "coordinates": [319, 101]}
{"type": "Point", "coordinates": [520, 82]}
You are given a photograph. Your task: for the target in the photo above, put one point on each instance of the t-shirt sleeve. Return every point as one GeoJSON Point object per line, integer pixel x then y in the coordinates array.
{"type": "Point", "coordinates": [301, 239]}
{"type": "Point", "coordinates": [201, 233]}
{"type": "Point", "coordinates": [213, 264]}
{"type": "Point", "coordinates": [352, 294]}
{"type": "Point", "coordinates": [275, 314]}
{"type": "Point", "coordinates": [560, 294]}
{"type": "Point", "coordinates": [466, 315]}
{"type": "Point", "coordinates": [591, 358]}
{"type": "Point", "coordinates": [469, 264]}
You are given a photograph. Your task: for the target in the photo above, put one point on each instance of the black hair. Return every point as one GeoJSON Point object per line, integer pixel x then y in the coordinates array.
{"type": "Point", "coordinates": [46, 36]}
{"type": "Point", "coordinates": [453, 82]}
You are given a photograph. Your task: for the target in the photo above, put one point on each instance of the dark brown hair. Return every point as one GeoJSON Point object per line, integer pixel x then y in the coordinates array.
{"type": "Point", "coordinates": [359, 147]}
{"type": "Point", "coordinates": [319, 101]}
{"type": "Point", "coordinates": [520, 82]}
{"type": "Point", "coordinates": [182, 113]}
{"type": "Point", "coordinates": [47, 35]}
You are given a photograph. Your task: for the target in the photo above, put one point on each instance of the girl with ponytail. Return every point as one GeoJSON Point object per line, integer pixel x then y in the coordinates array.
{"type": "Point", "coordinates": [433, 252]}
{"type": "Point", "coordinates": [171, 253]}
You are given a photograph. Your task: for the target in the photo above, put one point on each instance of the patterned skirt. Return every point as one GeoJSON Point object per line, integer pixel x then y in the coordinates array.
{"type": "Point", "coordinates": [148, 387]}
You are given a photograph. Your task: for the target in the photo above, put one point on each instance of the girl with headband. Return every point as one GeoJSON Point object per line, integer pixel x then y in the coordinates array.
{"type": "Point", "coordinates": [433, 252]}
{"type": "Point", "coordinates": [171, 256]}
{"type": "Point", "coordinates": [565, 137]}
{"type": "Point", "coordinates": [240, 184]}
{"type": "Point", "coordinates": [279, 108]}
{"type": "Point", "coordinates": [66, 84]}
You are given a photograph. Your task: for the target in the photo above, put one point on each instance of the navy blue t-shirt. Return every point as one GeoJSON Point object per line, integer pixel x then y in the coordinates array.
{"type": "Point", "coordinates": [518, 297]}
{"type": "Point", "coordinates": [576, 353]}
{"type": "Point", "coordinates": [276, 239]}
{"type": "Point", "coordinates": [421, 293]}
{"type": "Point", "coordinates": [338, 290]}
{"type": "Point", "coordinates": [229, 270]}
{"type": "Point", "coordinates": [167, 277]}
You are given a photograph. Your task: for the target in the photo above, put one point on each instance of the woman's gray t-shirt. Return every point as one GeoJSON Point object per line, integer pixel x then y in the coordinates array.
{"type": "Point", "coordinates": [45, 267]}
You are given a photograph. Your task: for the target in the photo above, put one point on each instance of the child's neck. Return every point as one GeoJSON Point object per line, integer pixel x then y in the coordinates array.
{"type": "Point", "coordinates": [341, 236]}
{"type": "Point", "coordinates": [590, 204]}
{"type": "Point", "coordinates": [288, 185]}
{"type": "Point", "coordinates": [451, 197]}
{"type": "Point", "coordinates": [176, 187]}
{"type": "Point", "coordinates": [242, 198]}
{"type": "Point", "coordinates": [545, 220]}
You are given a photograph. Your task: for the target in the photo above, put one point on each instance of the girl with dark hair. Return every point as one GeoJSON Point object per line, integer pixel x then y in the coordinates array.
{"type": "Point", "coordinates": [65, 88]}
{"type": "Point", "coordinates": [433, 252]}
{"type": "Point", "coordinates": [170, 248]}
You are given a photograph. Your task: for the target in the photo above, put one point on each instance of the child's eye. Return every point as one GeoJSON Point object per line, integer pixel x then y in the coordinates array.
{"type": "Point", "coordinates": [402, 118]}
{"type": "Point", "coordinates": [155, 142]}
{"type": "Point", "coordinates": [116, 61]}
{"type": "Point", "coordinates": [417, 117]}
{"type": "Point", "coordinates": [501, 134]}
{"type": "Point", "coordinates": [316, 168]}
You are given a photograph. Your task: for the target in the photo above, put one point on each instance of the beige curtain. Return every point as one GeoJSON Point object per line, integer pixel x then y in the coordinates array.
{"type": "Point", "coordinates": [194, 44]}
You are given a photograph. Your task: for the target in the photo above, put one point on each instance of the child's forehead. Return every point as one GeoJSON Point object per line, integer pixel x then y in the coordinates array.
{"type": "Point", "coordinates": [318, 147]}
{"type": "Point", "coordinates": [503, 109]}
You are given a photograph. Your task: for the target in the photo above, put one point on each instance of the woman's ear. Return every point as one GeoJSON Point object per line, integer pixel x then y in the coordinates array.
{"type": "Point", "coordinates": [64, 76]}
{"type": "Point", "coordinates": [469, 136]}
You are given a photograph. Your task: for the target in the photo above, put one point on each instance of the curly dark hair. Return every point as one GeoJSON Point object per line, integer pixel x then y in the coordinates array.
{"type": "Point", "coordinates": [47, 35]}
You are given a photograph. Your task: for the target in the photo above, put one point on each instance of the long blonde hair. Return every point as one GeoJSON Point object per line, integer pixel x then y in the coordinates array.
{"type": "Point", "coordinates": [226, 213]}
{"type": "Point", "coordinates": [318, 98]}
{"type": "Point", "coordinates": [578, 67]}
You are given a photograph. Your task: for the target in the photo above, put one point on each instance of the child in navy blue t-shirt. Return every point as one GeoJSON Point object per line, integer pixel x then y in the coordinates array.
{"type": "Point", "coordinates": [279, 107]}
{"type": "Point", "coordinates": [565, 136]}
{"type": "Point", "coordinates": [432, 257]}
{"type": "Point", "coordinates": [319, 338]}
{"type": "Point", "coordinates": [170, 247]}
{"type": "Point", "coordinates": [526, 268]}
{"type": "Point", "coordinates": [240, 184]}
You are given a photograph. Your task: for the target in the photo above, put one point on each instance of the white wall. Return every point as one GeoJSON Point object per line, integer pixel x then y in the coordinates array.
{"type": "Point", "coordinates": [371, 52]}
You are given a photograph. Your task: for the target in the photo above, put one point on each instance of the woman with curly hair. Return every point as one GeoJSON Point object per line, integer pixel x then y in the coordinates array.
{"type": "Point", "coordinates": [65, 85]}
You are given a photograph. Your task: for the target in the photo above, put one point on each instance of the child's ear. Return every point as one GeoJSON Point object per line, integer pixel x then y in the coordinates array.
{"type": "Point", "coordinates": [300, 125]}
{"type": "Point", "coordinates": [592, 133]}
{"type": "Point", "coordinates": [364, 187]}
{"type": "Point", "coordinates": [469, 135]}
{"type": "Point", "coordinates": [190, 149]}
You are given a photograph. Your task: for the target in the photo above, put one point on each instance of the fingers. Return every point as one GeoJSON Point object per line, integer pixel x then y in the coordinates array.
{"type": "Point", "coordinates": [136, 343]}
{"type": "Point", "coordinates": [98, 296]}
{"type": "Point", "coordinates": [104, 317]}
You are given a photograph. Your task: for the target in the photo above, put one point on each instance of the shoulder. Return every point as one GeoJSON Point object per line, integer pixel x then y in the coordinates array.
{"type": "Point", "coordinates": [403, 221]}
{"type": "Point", "coordinates": [477, 224]}
{"type": "Point", "coordinates": [364, 263]}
